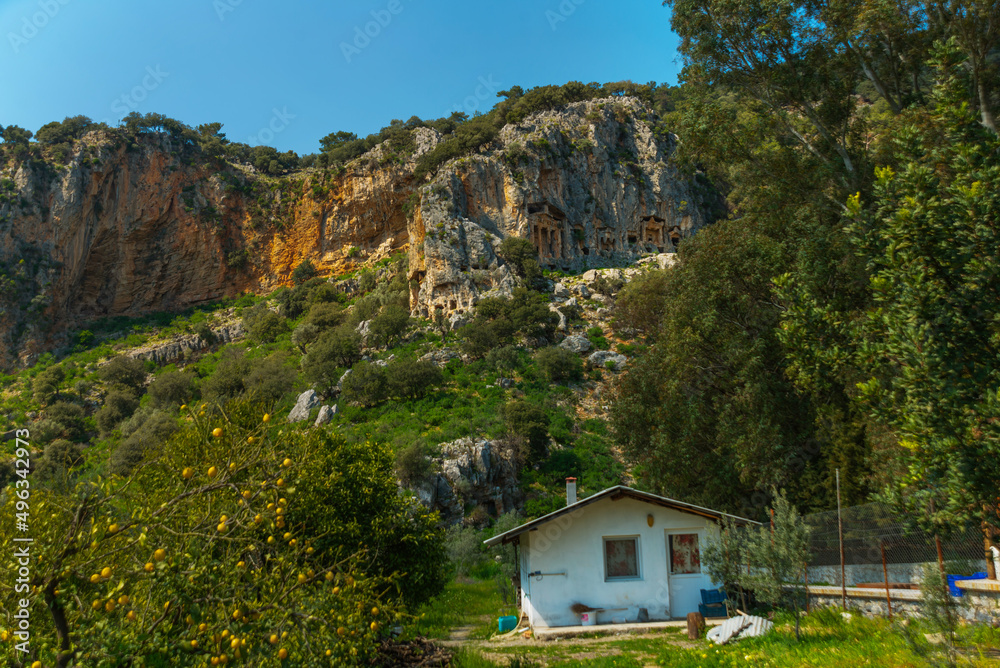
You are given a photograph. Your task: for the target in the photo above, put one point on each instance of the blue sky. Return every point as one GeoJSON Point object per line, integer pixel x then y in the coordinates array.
{"type": "Point", "coordinates": [286, 74]}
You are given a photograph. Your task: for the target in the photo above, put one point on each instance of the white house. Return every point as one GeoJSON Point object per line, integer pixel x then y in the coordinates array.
{"type": "Point", "coordinates": [621, 551]}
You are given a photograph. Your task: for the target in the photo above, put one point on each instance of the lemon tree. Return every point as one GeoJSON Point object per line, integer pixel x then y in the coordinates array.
{"type": "Point", "coordinates": [193, 560]}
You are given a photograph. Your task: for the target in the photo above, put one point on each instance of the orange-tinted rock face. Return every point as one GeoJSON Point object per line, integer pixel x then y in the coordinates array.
{"type": "Point", "coordinates": [143, 229]}
{"type": "Point", "coordinates": [155, 225]}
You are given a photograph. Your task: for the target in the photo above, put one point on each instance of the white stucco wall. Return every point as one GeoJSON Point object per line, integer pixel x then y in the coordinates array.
{"type": "Point", "coordinates": [574, 543]}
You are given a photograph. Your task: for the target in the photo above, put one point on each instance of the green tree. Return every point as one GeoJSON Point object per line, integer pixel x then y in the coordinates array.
{"type": "Point", "coordinates": [270, 378]}
{"type": "Point", "coordinates": [367, 385]}
{"type": "Point", "coordinates": [147, 566]}
{"type": "Point", "coordinates": [118, 405]}
{"type": "Point", "coordinates": [389, 325]}
{"type": "Point", "coordinates": [305, 271]}
{"type": "Point", "coordinates": [264, 325]}
{"type": "Point", "coordinates": [329, 355]}
{"type": "Point", "coordinates": [227, 381]}
{"type": "Point", "coordinates": [530, 423]}
{"type": "Point", "coordinates": [349, 501]}
{"type": "Point", "coordinates": [523, 256]}
{"type": "Point", "coordinates": [171, 388]}
{"type": "Point", "coordinates": [46, 384]}
{"type": "Point", "coordinates": [412, 379]}
{"type": "Point", "coordinates": [559, 365]}
{"type": "Point", "coordinates": [924, 359]}
{"type": "Point", "coordinates": [125, 372]}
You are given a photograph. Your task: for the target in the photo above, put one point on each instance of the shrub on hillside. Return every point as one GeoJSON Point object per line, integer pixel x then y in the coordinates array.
{"type": "Point", "coordinates": [46, 384]}
{"type": "Point", "coordinates": [367, 385]}
{"type": "Point", "coordinates": [59, 457]}
{"type": "Point", "coordinates": [479, 337]}
{"type": "Point", "coordinates": [412, 379]}
{"type": "Point", "coordinates": [227, 380]}
{"type": "Point", "coordinates": [69, 420]}
{"type": "Point", "coordinates": [263, 325]}
{"type": "Point", "coordinates": [529, 423]}
{"type": "Point", "coordinates": [559, 365]}
{"type": "Point", "coordinates": [125, 372]}
{"type": "Point", "coordinates": [523, 256]}
{"type": "Point", "coordinates": [412, 464]}
{"type": "Point", "coordinates": [148, 438]}
{"type": "Point", "coordinates": [329, 355]}
{"type": "Point", "coordinates": [504, 359]}
{"type": "Point", "coordinates": [326, 315]}
{"type": "Point", "coordinates": [303, 272]}
{"type": "Point", "coordinates": [642, 304]}
{"type": "Point", "coordinates": [171, 388]}
{"type": "Point", "coordinates": [118, 405]}
{"type": "Point", "coordinates": [270, 378]}
{"type": "Point", "coordinates": [303, 335]}
{"type": "Point", "coordinates": [389, 325]}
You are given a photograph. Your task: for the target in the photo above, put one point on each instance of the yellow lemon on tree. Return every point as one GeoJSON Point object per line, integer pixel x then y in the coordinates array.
{"type": "Point", "coordinates": [95, 578]}
{"type": "Point", "coordinates": [187, 473]}
{"type": "Point", "coordinates": [123, 599]}
{"type": "Point", "coordinates": [36, 664]}
{"type": "Point", "coordinates": [110, 605]}
{"type": "Point", "coordinates": [270, 539]}
{"type": "Point", "coordinates": [131, 615]}
{"type": "Point", "coordinates": [149, 567]}
{"type": "Point", "coordinates": [235, 643]}
{"type": "Point", "coordinates": [221, 528]}
{"type": "Point", "coordinates": [374, 612]}
{"type": "Point", "coordinates": [286, 463]}
{"type": "Point", "coordinates": [194, 644]}
{"type": "Point", "coordinates": [160, 554]}
{"type": "Point", "coordinates": [217, 432]}
{"type": "Point", "coordinates": [113, 528]}
{"type": "Point", "coordinates": [250, 440]}
{"type": "Point", "coordinates": [282, 653]}
{"type": "Point", "coordinates": [258, 519]}
{"type": "Point", "coordinates": [302, 578]}
{"type": "Point", "coordinates": [96, 605]}
{"type": "Point", "coordinates": [273, 639]}
{"type": "Point", "coordinates": [246, 494]}
{"type": "Point", "coordinates": [329, 576]}
{"type": "Point", "coordinates": [212, 471]}
{"type": "Point", "coordinates": [241, 564]}
{"type": "Point", "coordinates": [280, 482]}
{"type": "Point", "coordinates": [106, 572]}
{"type": "Point", "coordinates": [267, 417]}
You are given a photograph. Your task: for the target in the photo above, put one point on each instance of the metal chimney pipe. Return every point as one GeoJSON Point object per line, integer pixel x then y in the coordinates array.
{"type": "Point", "coordinates": [570, 491]}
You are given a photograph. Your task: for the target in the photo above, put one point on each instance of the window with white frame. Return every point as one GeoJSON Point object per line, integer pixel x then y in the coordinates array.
{"type": "Point", "coordinates": [621, 558]}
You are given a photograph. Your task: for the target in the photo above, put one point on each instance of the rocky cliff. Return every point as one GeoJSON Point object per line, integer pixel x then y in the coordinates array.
{"type": "Point", "coordinates": [131, 225]}
{"type": "Point", "coordinates": [591, 185]}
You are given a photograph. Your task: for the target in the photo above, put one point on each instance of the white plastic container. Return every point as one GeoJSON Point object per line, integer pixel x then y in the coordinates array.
{"type": "Point", "coordinates": [588, 618]}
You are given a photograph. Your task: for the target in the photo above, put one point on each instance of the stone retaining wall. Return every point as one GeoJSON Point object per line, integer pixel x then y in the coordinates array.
{"type": "Point", "coordinates": [980, 602]}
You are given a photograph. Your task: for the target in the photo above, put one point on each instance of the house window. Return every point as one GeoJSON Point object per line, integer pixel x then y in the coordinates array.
{"type": "Point", "coordinates": [621, 558]}
{"type": "Point", "coordinates": [684, 556]}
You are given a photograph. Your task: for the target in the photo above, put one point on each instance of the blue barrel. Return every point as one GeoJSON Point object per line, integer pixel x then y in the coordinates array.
{"type": "Point", "coordinates": [507, 624]}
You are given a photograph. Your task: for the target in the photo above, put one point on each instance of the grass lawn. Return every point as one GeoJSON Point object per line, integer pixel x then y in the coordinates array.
{"type": "Point", "coordinates": [468, 610]}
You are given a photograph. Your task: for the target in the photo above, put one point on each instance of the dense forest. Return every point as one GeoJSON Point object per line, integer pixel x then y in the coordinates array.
{"type": "Point", "coordinates": [844, 315]}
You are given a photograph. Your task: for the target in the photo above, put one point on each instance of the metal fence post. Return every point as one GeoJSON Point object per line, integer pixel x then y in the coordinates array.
{"type": "Point", "coordinates": [840, 535]}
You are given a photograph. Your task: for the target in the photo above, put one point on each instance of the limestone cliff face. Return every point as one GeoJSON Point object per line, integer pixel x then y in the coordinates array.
{"type": "Point", "coordinates": [154, 226]}
{"type": "Point", "coordinates": [132, 226]}
{"type": "Point", "coordinates": [590, 185]}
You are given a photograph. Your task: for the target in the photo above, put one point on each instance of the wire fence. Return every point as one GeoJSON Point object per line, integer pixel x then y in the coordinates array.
{"type": "Point", "coordinates": [870, 528]}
